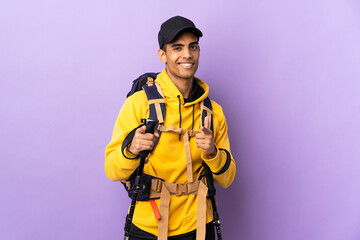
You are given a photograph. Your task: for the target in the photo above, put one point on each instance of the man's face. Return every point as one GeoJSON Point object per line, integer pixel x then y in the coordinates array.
{"type": "Point", "coordinates": [181, 57]}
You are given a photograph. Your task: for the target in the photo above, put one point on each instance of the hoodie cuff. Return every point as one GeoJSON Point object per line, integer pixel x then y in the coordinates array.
{"type": "Point", "coordinates": [215, 164]}
{"type": "Point", "coordinates": [127, 154]}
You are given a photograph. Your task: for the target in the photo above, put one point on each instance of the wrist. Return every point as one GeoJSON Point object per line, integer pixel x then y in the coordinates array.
{"type": "Point", "coordinates": [212, 154]}
{"type": "Point", "coordinates": [128, 155]}
{"type": "Point", "coordinates": [128, 148]}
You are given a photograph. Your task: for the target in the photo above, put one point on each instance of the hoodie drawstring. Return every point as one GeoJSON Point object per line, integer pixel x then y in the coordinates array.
{"type": "Point", "coordinates": [193, 117]}
{"type": "Point", "coordinates": [192, 128]}
{"type": "Point", "coordinates": [180, 115]}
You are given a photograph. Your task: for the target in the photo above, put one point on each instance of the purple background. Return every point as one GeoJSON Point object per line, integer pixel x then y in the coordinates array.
{"type": "Point", "coordinates": [287, 74]}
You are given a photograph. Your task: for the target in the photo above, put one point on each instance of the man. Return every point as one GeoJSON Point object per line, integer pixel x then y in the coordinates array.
{"type": "Point", "coordinates": [186, 141]}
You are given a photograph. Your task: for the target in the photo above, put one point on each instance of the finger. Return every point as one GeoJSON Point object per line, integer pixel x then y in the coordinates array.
{"type": "Point", "coordinates": [203, 145]}
{"type": "Point", "coordinates": [199, 135]}
{"type": "Point", "coordinates": [202, 141]}
{"type": "Point", "coordinates": [199, 144]}
{"type": "Point", "coordinates": [206, 122]}
{"type": "Point", "coordinates": [141, 129]}
{"type": "Point", "coordinates": [146, 143]}
{"type": "Point", "coordinates": [206, 131]}
{"type": "Point", "coordinates": [143, 144]}
{"type": "Point", "coordinates": [143, 147]}
{"type": "Point", "coordinates": [147, 136]}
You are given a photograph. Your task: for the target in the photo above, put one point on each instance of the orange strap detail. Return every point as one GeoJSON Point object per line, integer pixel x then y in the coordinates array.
{"type": "Point", "coordinates": [155, 209]}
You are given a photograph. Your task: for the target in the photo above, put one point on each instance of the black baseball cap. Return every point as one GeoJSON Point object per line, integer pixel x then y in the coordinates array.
{"type": "Point", "coordinates": [173, 26]}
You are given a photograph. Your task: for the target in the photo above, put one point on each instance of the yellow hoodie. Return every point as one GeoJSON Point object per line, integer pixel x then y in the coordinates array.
{"type": "Point", "coordinates": [168, 160]}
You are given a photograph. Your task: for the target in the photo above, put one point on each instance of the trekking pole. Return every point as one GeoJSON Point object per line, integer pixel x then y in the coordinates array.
{"type": "Point", "coordinates": [150, 128]}
{"type": "Point", "coordinates": [212, 193]}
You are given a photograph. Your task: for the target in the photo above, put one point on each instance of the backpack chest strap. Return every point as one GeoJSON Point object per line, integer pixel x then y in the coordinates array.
{"type": "Point", "coordinates": [186, 134]}
{"type": "Point", "coordinates": [191, 133]}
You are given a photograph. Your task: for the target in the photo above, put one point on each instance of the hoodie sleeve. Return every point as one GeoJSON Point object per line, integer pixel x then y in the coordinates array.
{"type": "Point", "coordinates": [117, 166]}
{"type": "Point", "coordinates": [223, 164]}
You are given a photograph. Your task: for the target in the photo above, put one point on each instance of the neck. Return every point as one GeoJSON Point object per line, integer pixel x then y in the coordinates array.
{"type": "Point", "coordinates": [184, 85]}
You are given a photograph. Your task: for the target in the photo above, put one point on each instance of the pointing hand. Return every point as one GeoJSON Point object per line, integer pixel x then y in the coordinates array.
{"type": "Point", "coordinates": [205, 140]}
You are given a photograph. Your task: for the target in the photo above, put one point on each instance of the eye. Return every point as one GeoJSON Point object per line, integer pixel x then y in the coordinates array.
{"type": "Point", "coordinates": [177, 49]}
{"type": "Point", "coordinates": [194, 47]}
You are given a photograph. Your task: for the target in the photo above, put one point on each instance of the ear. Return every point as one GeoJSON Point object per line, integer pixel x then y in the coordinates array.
{"type": "Point", "coordinates": [162, 56]}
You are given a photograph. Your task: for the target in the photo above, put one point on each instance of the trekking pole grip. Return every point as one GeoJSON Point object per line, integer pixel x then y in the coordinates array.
{"type": "Point", "coordinates": [150, 128]}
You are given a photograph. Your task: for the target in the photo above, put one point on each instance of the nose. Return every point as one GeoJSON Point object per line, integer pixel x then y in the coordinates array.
{"type": "Point", "coordinates": [187, 53]}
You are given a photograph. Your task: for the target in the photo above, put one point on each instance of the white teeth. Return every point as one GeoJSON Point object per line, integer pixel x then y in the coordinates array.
{"type": "Point", "coordinates": [186, 65]}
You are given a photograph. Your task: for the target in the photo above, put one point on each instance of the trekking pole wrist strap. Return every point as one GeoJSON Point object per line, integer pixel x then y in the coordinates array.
{"type": "Point", "coordinates": [127, 141]}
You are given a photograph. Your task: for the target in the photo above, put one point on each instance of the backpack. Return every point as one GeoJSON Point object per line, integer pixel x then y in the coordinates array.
{"type": "Point", "coordinates": [157, 111]}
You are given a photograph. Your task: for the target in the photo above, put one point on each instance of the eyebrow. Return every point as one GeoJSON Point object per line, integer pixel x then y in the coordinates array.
{"type": "Point", "coordinates": [181, 45]}
{"type": "Point", "coordinates": [177, 45]}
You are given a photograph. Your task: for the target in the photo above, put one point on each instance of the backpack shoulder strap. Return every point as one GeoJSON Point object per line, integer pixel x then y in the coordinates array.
{"type": "Point", "coordinates": [206, 110]}
{"type": "Point", "coordinates": [156, 99]}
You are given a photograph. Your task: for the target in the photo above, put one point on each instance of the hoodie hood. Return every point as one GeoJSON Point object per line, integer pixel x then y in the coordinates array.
{"type": "Point", "coordinates": [173, 94]}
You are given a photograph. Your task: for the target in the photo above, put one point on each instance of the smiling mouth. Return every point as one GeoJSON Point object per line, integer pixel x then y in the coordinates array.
{"type": "Point", "coordinates": [186, 65]}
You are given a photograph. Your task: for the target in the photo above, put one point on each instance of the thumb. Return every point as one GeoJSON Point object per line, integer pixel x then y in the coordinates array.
{"type": "Point", "coordinates": [141, 129]}
{"type": "Point", "coordinates": [156, 133]}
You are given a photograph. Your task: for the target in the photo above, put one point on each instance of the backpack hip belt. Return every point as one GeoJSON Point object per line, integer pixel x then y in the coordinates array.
{"type": "Point", "coordinates": [165, 189]}
{"type": "Point", "coordinates": [161, 189]}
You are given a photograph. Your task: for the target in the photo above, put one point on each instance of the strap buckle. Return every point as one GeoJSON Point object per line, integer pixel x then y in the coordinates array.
{"type": "Point", "coordinates": [156, 185]}
{"type": "Point", "coordinates": [181, 189]}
